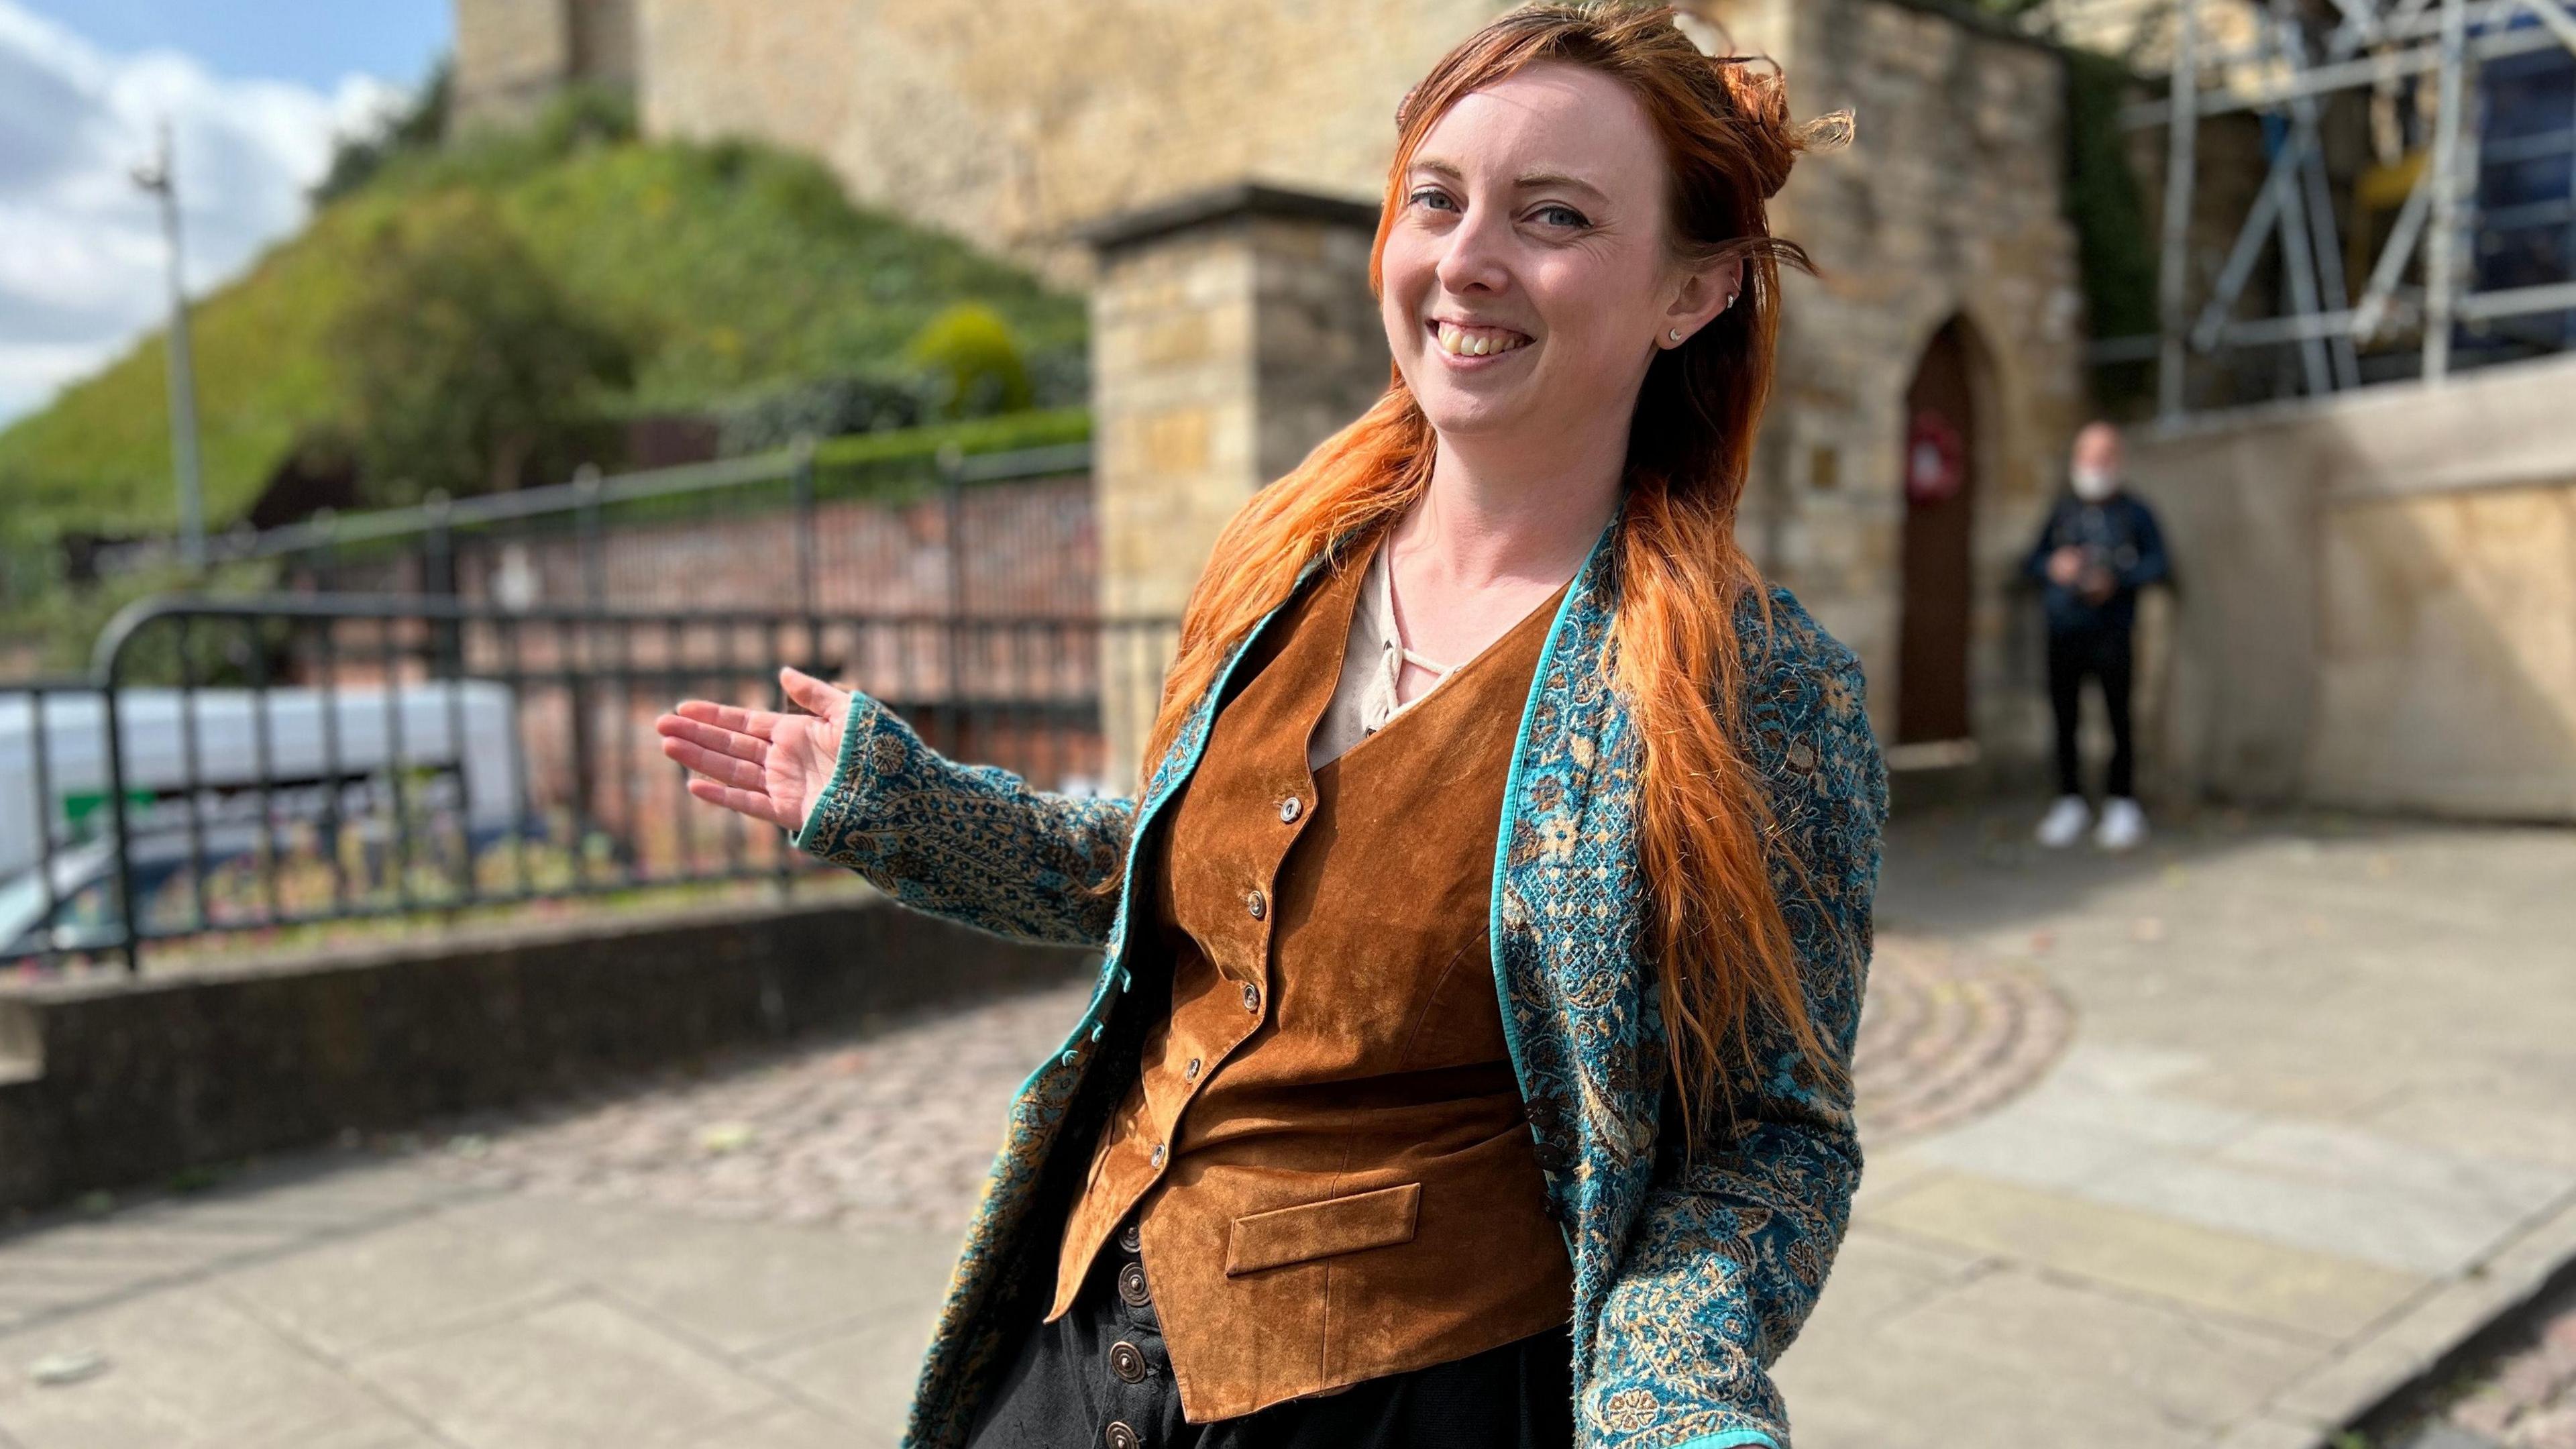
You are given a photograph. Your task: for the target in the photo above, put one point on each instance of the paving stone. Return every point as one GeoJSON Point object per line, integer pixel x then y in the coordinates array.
{"type": "Point", "coordinates": [738, 1286]}
{"type": "Point", "coordinates": [865, 1373]}
{"type": "Point", "coordinates": [1878, 1276]}
{"type": "Point", "coordinates": [2012, 1358]}
{"type": "Point", "coordinates": [421, 1276]}
{"type": "Point", "coordinates": [572, 1375]}
{"type": "Point", "coordinates": [793, 1427]}
{"type": "Point", "coordinates": [2396, 1219]}
{"type": "Point", "coordinates": [184, 1369]}
{"type": "Point", "coordinates": [2301, 1291]}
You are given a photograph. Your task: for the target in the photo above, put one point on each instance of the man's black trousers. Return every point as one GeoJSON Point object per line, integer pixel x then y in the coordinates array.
{"type": "Point", "coordinates": [2102, 653]}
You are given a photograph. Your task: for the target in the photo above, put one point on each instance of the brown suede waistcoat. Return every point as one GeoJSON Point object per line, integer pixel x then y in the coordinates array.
{"type": "Point", "coordinates": [1327, 1139]}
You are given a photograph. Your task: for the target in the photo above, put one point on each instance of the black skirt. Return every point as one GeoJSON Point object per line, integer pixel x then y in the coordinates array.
{"type": "Point", "coordinates": [1099, 1376]}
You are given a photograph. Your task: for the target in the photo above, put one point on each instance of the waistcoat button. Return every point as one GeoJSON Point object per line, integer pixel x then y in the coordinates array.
{"type": "Point", "coordinates": [1253, 902]}
{"type": "Point", "coordinates": [1128, 1362]}
{"type": "Point", "coordinates": [1131, 1285]}
{"type": "Point", "coordinates": [1251, 997]}
{"type": "Point", "coordinates": [1290, 809]}
{"type": "Point", "coordinates": [1131, 1240]}
{"type": "Point", "coordinates": [1120, 1436]}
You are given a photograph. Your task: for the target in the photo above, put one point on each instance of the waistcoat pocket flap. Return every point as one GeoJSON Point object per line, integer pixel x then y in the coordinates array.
{"type": "Point", "coordinates": [1320, 1229]}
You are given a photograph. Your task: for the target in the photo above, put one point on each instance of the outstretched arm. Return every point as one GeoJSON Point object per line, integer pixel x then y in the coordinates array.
{"type": "Point", "coordinates": [971, 843]}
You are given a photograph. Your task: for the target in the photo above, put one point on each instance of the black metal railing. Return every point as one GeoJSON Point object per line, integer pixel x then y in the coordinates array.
{"type": "Point", "coordinates": [250, 764]}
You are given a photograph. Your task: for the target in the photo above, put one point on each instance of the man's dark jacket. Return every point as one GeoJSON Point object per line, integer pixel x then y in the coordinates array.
{"type": "Point", "coordinates": [2120, 534]}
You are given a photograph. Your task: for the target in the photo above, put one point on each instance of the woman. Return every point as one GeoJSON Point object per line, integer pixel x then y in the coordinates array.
{"type": "Point", "coordinates": [1483, 691]}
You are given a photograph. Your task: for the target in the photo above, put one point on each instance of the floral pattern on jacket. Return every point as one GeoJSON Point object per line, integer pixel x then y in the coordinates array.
{"type": "Point", "coordinates": [1693, 1270]}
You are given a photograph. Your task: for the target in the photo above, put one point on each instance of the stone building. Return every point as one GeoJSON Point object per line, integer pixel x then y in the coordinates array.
{"type": "Point", "coordinates": [1211, 175]}
{"type": "Point", "coordinates": [511, 55]}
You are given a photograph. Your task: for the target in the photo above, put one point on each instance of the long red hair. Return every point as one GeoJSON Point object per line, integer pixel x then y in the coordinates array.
{"type": "Point", "coordinates": [1721, 948]}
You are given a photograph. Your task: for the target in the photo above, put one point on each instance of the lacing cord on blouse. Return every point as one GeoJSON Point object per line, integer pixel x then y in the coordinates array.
{"type": "Point", "coordinates": [1381, 702]}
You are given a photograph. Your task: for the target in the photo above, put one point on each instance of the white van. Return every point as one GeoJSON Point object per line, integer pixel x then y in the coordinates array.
{"type": "Point", "coordinates": [460, 740]}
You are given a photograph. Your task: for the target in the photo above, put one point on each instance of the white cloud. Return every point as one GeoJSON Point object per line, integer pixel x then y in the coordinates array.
{"type": "Point", "coordinates": [81, 257]}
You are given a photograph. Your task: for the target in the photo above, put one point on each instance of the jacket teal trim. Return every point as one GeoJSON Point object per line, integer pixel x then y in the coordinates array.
{"type": "Point", "coordinates": [1503, 838]}
{"type": "Point", "coordinates": [1695, 1263]}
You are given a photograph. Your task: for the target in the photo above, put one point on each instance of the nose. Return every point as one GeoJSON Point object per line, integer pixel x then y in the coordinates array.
{"type": "Point", "coordinates": [1474, 260]}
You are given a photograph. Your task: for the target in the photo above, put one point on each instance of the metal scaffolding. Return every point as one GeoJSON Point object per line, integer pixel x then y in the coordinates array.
{"type": "Point", "coordinates": [2473, 177]}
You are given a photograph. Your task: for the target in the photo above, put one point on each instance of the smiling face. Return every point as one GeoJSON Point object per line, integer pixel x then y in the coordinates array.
{"type": "Point", "coordinates": [1527, 280]}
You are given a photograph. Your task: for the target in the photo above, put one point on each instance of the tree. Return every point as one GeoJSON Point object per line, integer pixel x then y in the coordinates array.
{"type": "Point", "coordinates": [970, 363]}
{"type": "Point", "coordinates": [467, 369]}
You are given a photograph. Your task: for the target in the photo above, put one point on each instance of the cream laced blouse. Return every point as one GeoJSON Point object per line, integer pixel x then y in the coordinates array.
{"type": "Point", "coordinates": [1365, 698]}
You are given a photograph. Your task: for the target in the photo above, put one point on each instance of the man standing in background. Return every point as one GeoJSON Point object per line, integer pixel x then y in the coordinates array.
{"type": "Point", "coordinates": [2099, 547]}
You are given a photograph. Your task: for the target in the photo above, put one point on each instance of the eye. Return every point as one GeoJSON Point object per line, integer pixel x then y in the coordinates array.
{"type": "Point", "coordinates": [1557, 213]}
{"type": "Point", "coordinates": [1429, 195]}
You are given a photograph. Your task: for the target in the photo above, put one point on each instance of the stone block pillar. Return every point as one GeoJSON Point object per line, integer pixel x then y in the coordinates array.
{"type": "Point", "coordinates": [1231, 331]}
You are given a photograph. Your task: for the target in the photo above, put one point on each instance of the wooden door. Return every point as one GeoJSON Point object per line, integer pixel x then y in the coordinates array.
{"type": "Point", "coordinates": [1939, 489]}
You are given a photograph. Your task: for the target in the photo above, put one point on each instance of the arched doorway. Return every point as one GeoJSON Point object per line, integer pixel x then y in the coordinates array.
{"type": "Point", "coordinates": [1940, 492]}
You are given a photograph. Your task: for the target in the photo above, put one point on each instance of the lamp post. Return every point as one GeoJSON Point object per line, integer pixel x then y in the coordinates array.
{"type": "Point", "coordinates": [158, 179]}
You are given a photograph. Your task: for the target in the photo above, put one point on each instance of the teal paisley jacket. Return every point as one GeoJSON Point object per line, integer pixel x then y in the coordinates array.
{"type": "Point", "coordinates": [1692, 1270]}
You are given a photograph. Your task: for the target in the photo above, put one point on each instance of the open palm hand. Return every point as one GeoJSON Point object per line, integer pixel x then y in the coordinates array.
{"type": "Point", "coordinates": [766, 765]}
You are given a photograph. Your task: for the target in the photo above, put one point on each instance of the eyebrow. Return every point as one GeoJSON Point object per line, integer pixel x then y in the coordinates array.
{"type": "Point", "coordinates": [1529, 181]}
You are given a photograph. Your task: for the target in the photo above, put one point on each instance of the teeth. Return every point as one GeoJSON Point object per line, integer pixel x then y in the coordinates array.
{"type": "Point", "coordinates": [1477, 342]}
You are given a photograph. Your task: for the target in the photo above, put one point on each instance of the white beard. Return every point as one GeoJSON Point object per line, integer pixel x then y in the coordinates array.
{"type": "Point", "coordinates": [2093, 485]}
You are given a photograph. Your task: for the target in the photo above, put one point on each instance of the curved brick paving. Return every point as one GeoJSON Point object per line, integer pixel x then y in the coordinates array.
{"type": "Point", "coordinates": [1944, 1038]}
{"type": "Point", "coordinates": [897, 1124]}
{"type": "Point", "coordinates": [902, 1123]}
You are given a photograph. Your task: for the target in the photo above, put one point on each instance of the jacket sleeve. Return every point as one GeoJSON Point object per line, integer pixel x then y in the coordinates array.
{"type": "Point", "coordinates": [1735, 1237]}
{"type": "Point", "coordinates": [970, 843]}
{"type": "Point", "coordinates": [2034, 565]}
{"type": "Point", "coordinates": [2150, 566]}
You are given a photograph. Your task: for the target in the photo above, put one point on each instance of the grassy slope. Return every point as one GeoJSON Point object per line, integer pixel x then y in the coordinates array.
{"type": "Point", "coordinates": [726, 266]}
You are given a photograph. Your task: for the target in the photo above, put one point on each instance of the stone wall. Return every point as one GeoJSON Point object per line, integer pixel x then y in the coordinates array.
{"type": "Point", "coordinates": [110, 1082]}
{"type": "Point", "coordinates": [1946, 205]}
{"type": "Point", "coordinates": [1231, 332]}
{"type": "Point", "coordinates": [510, 54]}
{"type": "Point", "coordinates": [1013, 122]}
{"type": "Point", "coordinates": [2377, 598]}
{"type": "Point", "coordinates": [513, 55]}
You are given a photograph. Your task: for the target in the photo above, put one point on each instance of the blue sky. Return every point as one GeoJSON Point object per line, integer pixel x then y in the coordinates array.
{"type": "Point", "coordinates": [254, 91]}
{"type": "Point", "coordinates": [313, 41]}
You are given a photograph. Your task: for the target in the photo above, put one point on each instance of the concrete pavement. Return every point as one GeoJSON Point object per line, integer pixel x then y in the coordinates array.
{"type": "Point", "coordinates": [2205, 1146]}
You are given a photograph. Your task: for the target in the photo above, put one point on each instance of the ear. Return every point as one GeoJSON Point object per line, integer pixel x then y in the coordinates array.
{"type": "Point", "coordinates": [1702, 294]}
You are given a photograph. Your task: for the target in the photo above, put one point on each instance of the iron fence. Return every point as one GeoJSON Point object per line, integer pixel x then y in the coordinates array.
{"type": "Point", "coordinates": [249, 764]}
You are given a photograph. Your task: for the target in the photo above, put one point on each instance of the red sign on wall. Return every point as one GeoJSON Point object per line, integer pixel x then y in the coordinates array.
{"type": "Point", "coordinates": [1936, 459]}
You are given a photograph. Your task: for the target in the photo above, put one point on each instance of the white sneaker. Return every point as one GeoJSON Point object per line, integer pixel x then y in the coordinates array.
{"type": "Point", "coordinates": [2064, 824]}
{"type": "Point", "coordinates": [2123, 827]}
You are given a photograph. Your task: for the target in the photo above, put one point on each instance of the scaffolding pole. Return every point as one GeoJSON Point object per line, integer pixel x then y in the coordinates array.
{"type": "Point", "coordinates": [2441, 259]}
{"type": "Point", "coordinates": [2183, 135]}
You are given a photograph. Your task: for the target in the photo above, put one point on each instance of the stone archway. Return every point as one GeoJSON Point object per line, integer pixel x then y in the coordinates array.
{"type": "Point", "coordinates": [1940, 468]}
